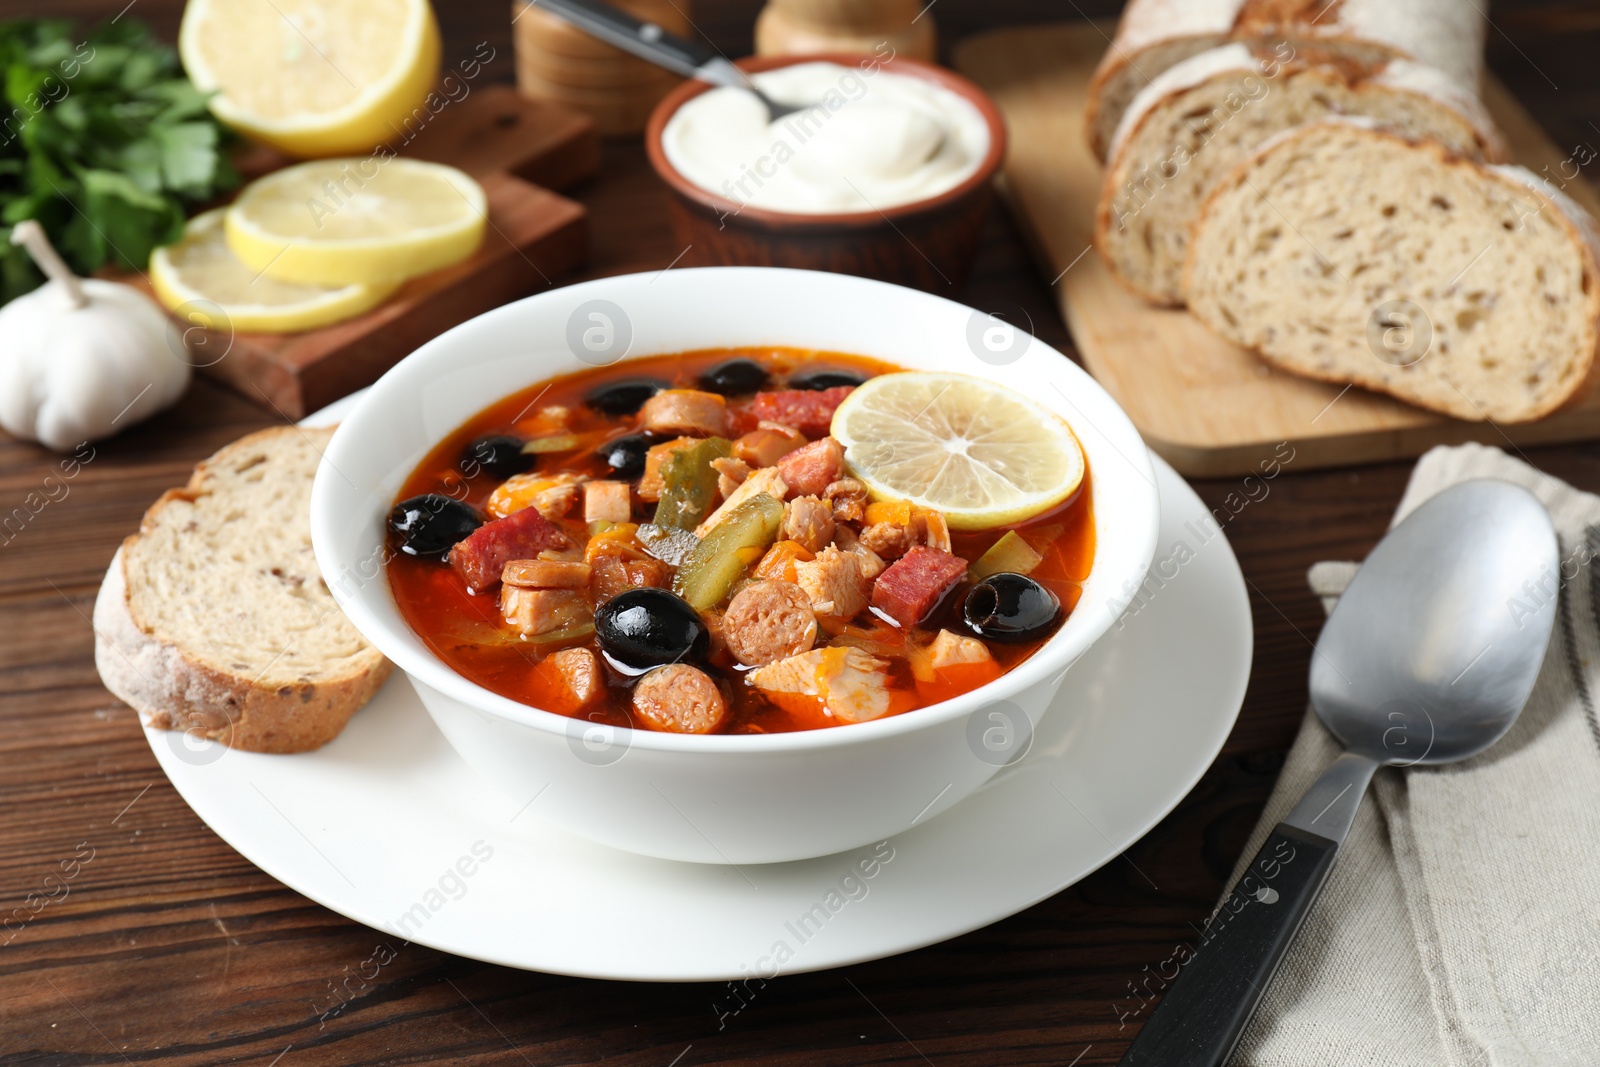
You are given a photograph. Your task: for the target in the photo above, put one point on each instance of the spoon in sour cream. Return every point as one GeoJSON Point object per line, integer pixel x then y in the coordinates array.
{"type": "Point", "coordinates": [650, 42]}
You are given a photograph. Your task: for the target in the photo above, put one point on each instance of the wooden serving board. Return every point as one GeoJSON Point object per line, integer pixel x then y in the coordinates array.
{"type": "Point", "coordinates": [1207, 406]}
{"type": "Point", "coordinates": [508, 144]}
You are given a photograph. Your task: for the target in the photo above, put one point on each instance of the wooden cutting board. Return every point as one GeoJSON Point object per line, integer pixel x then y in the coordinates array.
{"type": "Point", "coordinates": [1207, 406]}
{"type": "Point", "coordinates": [508, 144]}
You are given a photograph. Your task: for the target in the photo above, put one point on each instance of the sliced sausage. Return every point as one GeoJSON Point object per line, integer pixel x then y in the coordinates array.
{"type": "Point", "coordinates": [685, 411]}
{"type": "Point", "coordinates": [481, 557]}
{"type": "Point", "coordinates": [809, 411]}
{"type": "Point", "coordinates": [769, 621]}
{"type": "Point", "coordinates": [679, 699]}
{"type": "Point", "coordinates": [579, 671]}
{"type": "Point", "coordinates": [545, 574]}
{"type": "Point", "coordinates": [764, 446]}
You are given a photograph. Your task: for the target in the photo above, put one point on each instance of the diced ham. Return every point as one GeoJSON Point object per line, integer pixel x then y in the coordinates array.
{"type": "Point", "coordinates": [651, 484]}
{"type": "Point", "coordinates": [809, 411]}
{"type": "Point", "coordinates": [481, 557]}
{"type": "Point", "coordinates": [685, 411]}
{"type": "Point", "coordinates": [809, 521]}
{"type": "Point", "coordinates": [767, 480]}
{"type": "Point", "coordinates": [809, 470]}
{"type": "Point", "coordinates": [532, 612]}
{"type": "Point", "coordinates": [679, 699]}
{"type": "Point", "coordinates": [764, 446]}
{"type": "Point", "coordinates": [613, 574]}
{"type": "Point", "coordinates": [572, 677]}
{"type": "Point", "coordinates": [545, 574]}
{"type": "Point", "coordinates": [607, 502]}
{"type": "Point", "coordinates": [914, 584]}
{"type": "Point", "coordinates": [769, 621]}
{"type": "Point", "coordinates": [848, 683]}
{"type": "Point", "coordinates": [834, 583]}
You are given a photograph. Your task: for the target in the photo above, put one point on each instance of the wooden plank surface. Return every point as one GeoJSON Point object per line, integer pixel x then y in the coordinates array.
{"type": "Point", "coordinates": [1207, 405]}
{"type": "Point", "coordinates": [169, 948]}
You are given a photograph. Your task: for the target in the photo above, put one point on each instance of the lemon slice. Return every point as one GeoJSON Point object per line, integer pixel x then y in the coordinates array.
{"type": "Point", "coordinates": [356, 221]}
{"type": "Point", "coordinates": [203, 281]}
{"type": "Point", "coordinates": [982, 454]}
{"type": "Point", "coordinates": [314, 77]}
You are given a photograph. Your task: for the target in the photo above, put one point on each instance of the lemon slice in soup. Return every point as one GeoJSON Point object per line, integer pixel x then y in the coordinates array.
{"type": "Point", "coordinates": [982, 454]}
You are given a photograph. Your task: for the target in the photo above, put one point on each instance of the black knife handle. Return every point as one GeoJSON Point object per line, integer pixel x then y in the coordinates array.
{"type": "Point", "coordinates": [644, 39]}
{"type": "Point", "coordinates": [1199, 1021]}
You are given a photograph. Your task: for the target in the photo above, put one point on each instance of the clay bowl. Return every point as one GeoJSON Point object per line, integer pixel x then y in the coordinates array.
{"type": "Point", "coordinates": [928, 244]}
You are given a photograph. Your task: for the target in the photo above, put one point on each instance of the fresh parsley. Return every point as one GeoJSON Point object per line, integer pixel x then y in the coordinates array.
{"type": "Point", "coordinates": [104, 141]}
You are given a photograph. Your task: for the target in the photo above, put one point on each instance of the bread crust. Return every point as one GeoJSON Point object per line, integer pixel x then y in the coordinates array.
{"type": "Point", "coordinates": [1578, 224]}
{"type": "Point", "coordinates": [174, 689]}
{"type": "Point", "coordinates": [1154, 35]}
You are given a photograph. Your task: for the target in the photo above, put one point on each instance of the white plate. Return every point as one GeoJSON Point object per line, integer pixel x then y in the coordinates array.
{"type": "Point", "coordinates": [388, 826]}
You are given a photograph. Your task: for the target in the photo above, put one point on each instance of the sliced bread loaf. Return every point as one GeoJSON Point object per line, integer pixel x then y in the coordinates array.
{"type": "Point", "coordinates": [1198, 119]}
{"type": "Point", "coordinates": [214, 618]}
{"type": "Point", "coordinates": [1348, 253]}
{"type": "Point", "coordinates": [1156, 34]}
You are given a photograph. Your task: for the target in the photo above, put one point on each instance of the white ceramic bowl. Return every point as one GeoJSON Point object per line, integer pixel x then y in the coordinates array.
{"type": "Point", "coordinates": [721, 799]}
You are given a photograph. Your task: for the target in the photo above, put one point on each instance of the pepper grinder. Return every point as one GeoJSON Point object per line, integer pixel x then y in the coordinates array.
{"type": "Point", "coordinates": [800, 27]}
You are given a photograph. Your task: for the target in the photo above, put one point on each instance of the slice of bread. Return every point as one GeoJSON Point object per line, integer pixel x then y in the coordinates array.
{"type": "Point", "coordinates": [214, 618]}
{"type": "Point", "coordinates": [1197, 120]}
{"type": "Point", "coordinates": [1345, 252]}
{"type": "Point", "coordinates": [1154, 35]}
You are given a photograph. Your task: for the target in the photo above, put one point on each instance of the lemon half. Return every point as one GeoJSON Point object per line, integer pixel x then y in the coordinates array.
{"type": "Point", "coordinates": [365, 221]}
{"type": "Point", "coordinates": [313, 77]}
{"type": "Point", "coordinates": [203, 281]}
{"type": "Point", "coordinates": [981, 453]}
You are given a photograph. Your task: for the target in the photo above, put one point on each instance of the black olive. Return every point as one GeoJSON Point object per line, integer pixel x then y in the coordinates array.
{"type": "Point", "coordinates": [819, 378]}
{"type": "Point", "coordinates": [625, 455]}
{"type": "Point", "coordinates": [498, 455]}
{"type": "Point", "coordinates": [624, 396]}
{"type": "Point", "coordinates": [734, 377]}
{"type": "Point", "coordinates": [430, 525]}
{"type": "Point", "coordinates": [1009, 607]}
{"type": "Point", "coordinates": [644, 628]}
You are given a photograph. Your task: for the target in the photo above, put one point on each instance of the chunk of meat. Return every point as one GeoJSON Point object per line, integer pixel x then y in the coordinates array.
{"type": "Point", "coordinates": [552, 494]}
{"type": "Point", "coordinates": [679, 699]}
{"type": "Point", "coordinates": [764, 446]}
{"type": "Point", "coordinates": [731, 473]}
{"type": "Point", "coordinates": [685, 411]}
{"type": "Point", "coordinates": [952, 650]}
{"type": "Point", "coordinates": [849, 684]}
{"type": "Point", "coordinates": [834, 583]}
{"type": "Point", "coordinates": [778, 562]}
{"type": "Point", "coordinates": [607, 502]}
{"type": "Point", "coordinates": [532, 612]}
{"type": "Point", "coordinates": [951, 661]}
{"type": "Point", "coordinates": [870, 562]}
{"type": "Point", "coordinates": [769, 621]}
{"type": "Point", "coordinates": [889, 540]}
{"type": "Point", "coordinates": [808, 520]}
{"type": "Point", "coordinates": [809, 470]}
{"type": "Point", "coordinates": [572, 679]}
{"type": "Point", "coordinates": [849, 500]}
{"type": "Point", "coordinates": [809, 411]}
{"type": "Point", "coordinates": [913, 585]}
{"type": "Point", "coordinates": [613, 574]}
{"type": "Point", "coordinates": [481, 557]}
{"type": "Point", "coordinates": [766, 480]}
{"type": "Point", "coordinates": [651, 484]}
{"type": "Point", "coordinates": [545, 574]}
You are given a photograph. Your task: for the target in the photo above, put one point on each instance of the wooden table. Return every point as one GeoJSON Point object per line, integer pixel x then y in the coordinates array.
{"type": "Point", "coordinates": [169, 947]}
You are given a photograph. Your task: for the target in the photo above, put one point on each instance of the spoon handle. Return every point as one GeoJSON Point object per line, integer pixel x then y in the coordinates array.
{"type": "Point", "coordinates": [1204, 1011]}
{"type": "Point", "coordinates": [646, 40]}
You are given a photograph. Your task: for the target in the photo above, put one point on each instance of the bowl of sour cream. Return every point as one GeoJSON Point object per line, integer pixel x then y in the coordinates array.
{"type": "Point", "coordinates": [886, 174]}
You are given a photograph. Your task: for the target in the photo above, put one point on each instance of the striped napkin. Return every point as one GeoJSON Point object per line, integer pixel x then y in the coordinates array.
{"type": "Point", "coordinates": [1461, 924]}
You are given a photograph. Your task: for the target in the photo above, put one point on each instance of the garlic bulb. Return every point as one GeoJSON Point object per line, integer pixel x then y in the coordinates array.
{"type": "Point", "coordinates": [82, 358]}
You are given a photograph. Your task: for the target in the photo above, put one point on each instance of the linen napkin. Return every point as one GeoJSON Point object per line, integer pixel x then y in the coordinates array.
{"type": "Point", "coordinates": [1461, 924]}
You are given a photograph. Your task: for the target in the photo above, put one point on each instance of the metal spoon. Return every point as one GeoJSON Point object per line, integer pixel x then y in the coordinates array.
{"type": "Point", "coordinates": [1423, 661]}
{"type": "Point", "coordinates": [650, 42]}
